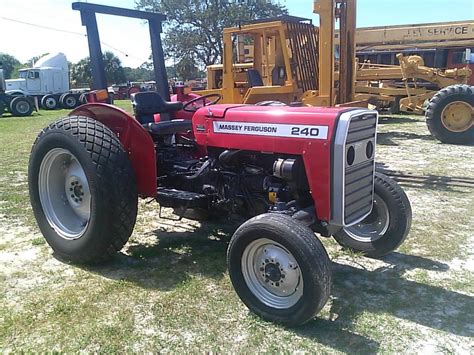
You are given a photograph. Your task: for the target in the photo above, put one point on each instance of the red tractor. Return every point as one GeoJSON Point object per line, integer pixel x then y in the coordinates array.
{"type": "Point", "coordinates": [291, 171]}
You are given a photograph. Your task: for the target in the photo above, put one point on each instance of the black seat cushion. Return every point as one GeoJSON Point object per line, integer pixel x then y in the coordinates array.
{"type": "Point", "coordinates": [254, 78]}
{"type": "Point", "coordinates": [169, 127]}
{"type": "Point", "coordinates": [150, 102]}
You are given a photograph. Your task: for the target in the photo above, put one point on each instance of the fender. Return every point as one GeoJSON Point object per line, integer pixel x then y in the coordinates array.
{"type": "Point", "coordinates": [134, 138]}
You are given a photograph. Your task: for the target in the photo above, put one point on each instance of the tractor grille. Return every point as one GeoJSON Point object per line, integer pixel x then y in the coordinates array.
{"type": "Point", "coordinates": [359, 167]}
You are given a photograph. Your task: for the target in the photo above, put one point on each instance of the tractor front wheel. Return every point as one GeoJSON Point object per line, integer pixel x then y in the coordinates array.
{"type": "Point", "coordinates": [279, 269]}
{"type": "Point", "coordinates": [82, 190]}
{"type": "Point", "coordinates": [386, 227]}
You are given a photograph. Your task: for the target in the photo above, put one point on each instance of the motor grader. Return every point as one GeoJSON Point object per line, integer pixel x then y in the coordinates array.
{"type": "Point", "coordinates": [407, 88]}
{"type": "Point", "coordinates": [288, 171]}
{"type": "Point", "coordinates": [293, 61]}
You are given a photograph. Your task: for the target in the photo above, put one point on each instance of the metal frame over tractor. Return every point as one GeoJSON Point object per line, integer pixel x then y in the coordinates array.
{"type": "Point", "coordinates": [288, 171]}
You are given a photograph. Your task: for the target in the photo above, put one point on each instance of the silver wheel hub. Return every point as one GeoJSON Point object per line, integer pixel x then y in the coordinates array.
{"type": "Point", "coordinates": [50, 102]}
{"type": "Point", "coordinates": [64, 193]}
{"type": "Point", "coordinates": [22, 107]}
{"type": "Point", "coordinates": [272, 273]}
{"type": "Point", "coordinates": [374, 226]}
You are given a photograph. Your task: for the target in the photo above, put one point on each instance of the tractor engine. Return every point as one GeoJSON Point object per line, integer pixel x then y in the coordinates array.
{"type": "Point", "coordinates": [230, 181]}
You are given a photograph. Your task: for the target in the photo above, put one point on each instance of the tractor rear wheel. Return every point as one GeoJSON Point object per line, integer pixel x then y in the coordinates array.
{"type": "Point", "coordinates": [49, 102]}
{"type": "Point", "coordinates": [279, 269]}
{"type": "Point", "coordinates": [82, 189]}
{"type": "Point", "coordinates": [450, 114]}
{"type": "Point", "coordinates": [387, 226]}
{"type": "Point", "coordinates": [20, 106]}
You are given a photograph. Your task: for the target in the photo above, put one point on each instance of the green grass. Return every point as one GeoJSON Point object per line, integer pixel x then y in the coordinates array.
{"type": "Point", "coordinates": [169, 290]}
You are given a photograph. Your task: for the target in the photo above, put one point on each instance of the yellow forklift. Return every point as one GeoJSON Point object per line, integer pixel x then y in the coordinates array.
{"type": "Point", "coordinates": [292, 60]}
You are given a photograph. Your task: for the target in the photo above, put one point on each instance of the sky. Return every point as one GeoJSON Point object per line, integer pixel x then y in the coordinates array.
{"type": "Point", "coordinates": [129, 38]}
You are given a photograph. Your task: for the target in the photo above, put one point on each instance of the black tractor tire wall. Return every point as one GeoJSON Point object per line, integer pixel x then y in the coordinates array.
{"type": "Point", "coordinates": [309, 253]}
{"type": "Point", "coordinates": [400, 217]}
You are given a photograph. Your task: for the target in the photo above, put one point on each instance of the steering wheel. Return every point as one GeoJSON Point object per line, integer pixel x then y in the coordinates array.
{"type": "Point", "coordinates": [191, 107]}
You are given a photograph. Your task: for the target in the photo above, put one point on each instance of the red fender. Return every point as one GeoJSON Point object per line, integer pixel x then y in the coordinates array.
{"type": "Point", "coordinates": [134, 138]}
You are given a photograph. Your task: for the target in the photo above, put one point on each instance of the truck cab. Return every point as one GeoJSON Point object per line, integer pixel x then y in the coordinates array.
{"type": "Point", "coordinates": [50, 75]}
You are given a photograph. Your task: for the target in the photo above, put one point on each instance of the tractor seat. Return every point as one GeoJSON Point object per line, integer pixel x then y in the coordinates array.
{"type": "Point", "coordinates": [164, 128]}
{"type": "Point", "coordinates": [150, 102]}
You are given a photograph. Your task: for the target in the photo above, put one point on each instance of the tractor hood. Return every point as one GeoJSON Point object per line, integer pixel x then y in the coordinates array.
{"type": "Point", "coordinates": [15, 84]}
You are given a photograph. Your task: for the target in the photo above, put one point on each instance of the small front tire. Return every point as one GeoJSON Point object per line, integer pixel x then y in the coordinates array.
{"type": "Point", "coordinates": [387, 226]}
{"type": "Point", "coordinates": [279, 269]}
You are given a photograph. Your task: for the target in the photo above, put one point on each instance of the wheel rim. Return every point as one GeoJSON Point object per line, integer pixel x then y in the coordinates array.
{"type": "Point", "coordinates": [70, 101]}
{"type": "Point", "coordinates": [64, 193]}
{"type": "Point", "coordinates": [22, 107]}
{"type": "Point", "coordinates": [272, 273]}
{"type": "Point", "coordinates": [374, 226]}
{"type": "Point", "coordinates": [457, 116]}
{"type": "Point", "coordinates": [50, 102]}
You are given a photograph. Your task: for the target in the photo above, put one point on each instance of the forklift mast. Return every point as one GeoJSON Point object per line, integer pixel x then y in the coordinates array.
{"type": "Point", "coordinates": [88, 16]}
{"type": "Point", "coordinates": [329, 12]}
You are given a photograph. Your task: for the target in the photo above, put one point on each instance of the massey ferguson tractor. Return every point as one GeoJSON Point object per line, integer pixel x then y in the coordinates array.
{"type": "Point", "coordinates": [290, 172]}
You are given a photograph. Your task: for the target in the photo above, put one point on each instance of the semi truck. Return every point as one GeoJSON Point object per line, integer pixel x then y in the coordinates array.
{"type": "Point", "coordinates": [16, 104]}
{"type": "Point", "coordinates": [48, 81]}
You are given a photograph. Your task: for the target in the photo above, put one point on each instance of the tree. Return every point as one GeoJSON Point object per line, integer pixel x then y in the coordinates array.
{"type": "Point", "coordinates": [81, 72]}
{"type": "Point", "coordinates": [9, 64]}
{"type": "Point", "coordinates": [186, 69]}
{"type": "Point", "coordinates": [194, 27]}
{"type": "Point", "coordinates": [143, 73]}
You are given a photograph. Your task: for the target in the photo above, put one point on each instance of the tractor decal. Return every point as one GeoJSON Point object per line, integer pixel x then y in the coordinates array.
{"type": "Point", "coordinates": [275, 130]}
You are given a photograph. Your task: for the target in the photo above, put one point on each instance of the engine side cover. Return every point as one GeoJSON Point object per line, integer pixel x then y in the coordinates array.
{"type": "Point", "coordinates": [303, 131]}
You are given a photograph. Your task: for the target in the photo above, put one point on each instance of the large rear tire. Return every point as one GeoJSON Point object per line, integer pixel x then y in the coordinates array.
{"type": "Point", "coordinates": [82, 190]}
{"type": "Point", "coordinates": [450, 114]}
{"type": "Point", "coordinates": [387, 226]}
{"type": "Point", "coordinates": [279, 269]}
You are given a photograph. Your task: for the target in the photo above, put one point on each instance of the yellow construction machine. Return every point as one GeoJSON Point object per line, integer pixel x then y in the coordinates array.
{"type": "Point", "coordinates": [405, 87]}
{"type": "Point", "coordinates": [288, 59]}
